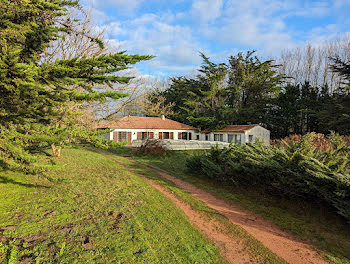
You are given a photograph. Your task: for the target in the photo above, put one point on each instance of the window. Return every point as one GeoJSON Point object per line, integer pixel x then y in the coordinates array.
{"type": "Point", "coordinates": [250, 137]}
{"type": "Point", "coordinates": [218, 137]}
{"type": "Point", "coordinates": [233, 138]}
{"type": "Point", "coordinates": [166, 135]}
{"type": "Point", "coordinates": [206, 137]}
{"type": "Point", "coordinates": [122, 136]}
{"type": "Point", "coordinates": [230, 138]}
{"type": "Point", "coordinates": [197, 137]}
{"type": "Point", "coordinates": [185, 135]}
{"type": "Point", "coordinates": [238, 139]}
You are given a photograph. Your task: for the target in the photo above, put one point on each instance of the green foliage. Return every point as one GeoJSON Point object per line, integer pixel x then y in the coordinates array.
{"type": "Point", "coordinates": [222, 94]}
{"type": "Point", "coordinates": [34, 93]}
{"type": "Point", "coordinates": [248, 89]}
{"type": "Point", "coordinates": [288, 170]}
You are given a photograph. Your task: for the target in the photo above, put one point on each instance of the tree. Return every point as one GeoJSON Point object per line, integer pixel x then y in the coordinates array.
{"type": "Point", "coordinates": [252, 84]}
{"type": "Point", "coordinates": [34, 93]}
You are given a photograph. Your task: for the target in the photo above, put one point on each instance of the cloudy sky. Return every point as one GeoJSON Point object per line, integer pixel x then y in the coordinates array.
{"type": "Point", "coordinates": [176, 31]}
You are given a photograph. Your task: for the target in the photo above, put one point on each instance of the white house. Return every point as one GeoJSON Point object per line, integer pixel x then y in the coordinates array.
{"type": "Point", "coordinates": [131, 128]}
{"type": "Point", "coordinates": [239, 134]}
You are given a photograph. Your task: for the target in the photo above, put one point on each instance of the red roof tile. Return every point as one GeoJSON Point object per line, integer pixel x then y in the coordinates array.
{"type": "Point", "coordinates": [138, 122]}
{"type": "Point", "coordinates": [233, 128]}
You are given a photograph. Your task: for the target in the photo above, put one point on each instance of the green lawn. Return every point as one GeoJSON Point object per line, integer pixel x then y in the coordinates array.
{"type": "Point", "coordinates": [311, 222]}
{"type": "Point", "coordinates": [89, 210]}
{"type": "Point", "coordinates": [255, 249]}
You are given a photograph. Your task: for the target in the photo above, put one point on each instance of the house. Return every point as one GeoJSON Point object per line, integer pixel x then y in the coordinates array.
{"type": "Point", "coordinates": [133, 128]}
{"type": "Point", "coordinates": [238, 134]}
{"type": "Point", "coordinates": [130, 128]}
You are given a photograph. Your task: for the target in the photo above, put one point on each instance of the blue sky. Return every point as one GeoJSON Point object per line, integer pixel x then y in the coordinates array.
{"type": "Point", "coordinates": [176, 31]}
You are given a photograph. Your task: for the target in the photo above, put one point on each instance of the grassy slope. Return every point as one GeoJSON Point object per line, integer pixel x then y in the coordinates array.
{"type": "Point", "coordinates": [257, 251]}
{"type": "Point", "coordinates": [319, 226]}
{"type": "Point", "coordinates": [93, 211]}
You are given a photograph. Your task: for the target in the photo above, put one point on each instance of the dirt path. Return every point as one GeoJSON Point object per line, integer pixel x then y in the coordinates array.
{"type": "Point", "coordinates": [283, 244]}
{"type": "Point", "coordinates": [232, 250]}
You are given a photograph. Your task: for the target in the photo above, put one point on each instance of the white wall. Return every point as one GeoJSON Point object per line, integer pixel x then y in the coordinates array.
{"type": "Point", "coordinates": [257, 132]}
{"type": "Point", "coordinates": [260, 133]}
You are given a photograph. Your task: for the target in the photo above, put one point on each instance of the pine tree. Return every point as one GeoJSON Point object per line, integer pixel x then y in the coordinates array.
{"type": "Point", "coordinates": [33, 93]}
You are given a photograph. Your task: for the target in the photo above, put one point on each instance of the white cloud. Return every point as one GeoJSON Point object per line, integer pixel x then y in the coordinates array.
{"type": "Point", "coordinates": [174, 45]}
{"type": "Point", "coordinates": [206, 10]}
{"type": "Point", "coordinates": [219, 28]}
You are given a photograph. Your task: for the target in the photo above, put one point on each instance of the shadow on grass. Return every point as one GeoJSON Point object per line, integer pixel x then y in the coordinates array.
{"type": "Point", "coordinates": [6, 180]}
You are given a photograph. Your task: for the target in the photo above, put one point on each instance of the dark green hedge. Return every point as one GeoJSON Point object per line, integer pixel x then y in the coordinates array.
{"type": "Point", "coordinates": [289, 169]}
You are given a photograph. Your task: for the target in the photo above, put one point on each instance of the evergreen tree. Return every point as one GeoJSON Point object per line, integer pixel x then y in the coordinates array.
{"type": "Point", "coordinates": [33, 94]}
{"type": "Point", "coordinates": [252, 84]}
{"type": "Point", "coordinates": [284, 115]}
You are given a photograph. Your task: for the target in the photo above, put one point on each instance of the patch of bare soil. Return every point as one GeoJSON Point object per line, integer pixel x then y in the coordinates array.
{"type": "Point", "coordinates": [282, 243]}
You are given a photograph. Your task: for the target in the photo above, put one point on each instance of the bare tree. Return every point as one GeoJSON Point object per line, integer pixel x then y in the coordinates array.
{"type": "Point", "coordinates": [311, 63]}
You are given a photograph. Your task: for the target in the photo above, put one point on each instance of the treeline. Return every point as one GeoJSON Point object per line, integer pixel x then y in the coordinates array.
{"type": "Point", "coordinates": [247, 89]}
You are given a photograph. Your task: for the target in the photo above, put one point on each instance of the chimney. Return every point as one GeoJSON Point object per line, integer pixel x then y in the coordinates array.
{"type": "Point", "coordinates": [162, 117]}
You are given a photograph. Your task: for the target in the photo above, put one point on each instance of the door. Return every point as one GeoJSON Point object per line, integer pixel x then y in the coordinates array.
{"type": "Point", "coordinates": [171, 135]}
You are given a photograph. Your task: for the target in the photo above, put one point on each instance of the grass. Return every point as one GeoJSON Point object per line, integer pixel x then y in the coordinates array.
{"type": "Point", "coordinates": [310, 221]}
{"type": "Point", "coordinates": [89, 210]}
{"type": "Point", "coordinates": [257, 251]}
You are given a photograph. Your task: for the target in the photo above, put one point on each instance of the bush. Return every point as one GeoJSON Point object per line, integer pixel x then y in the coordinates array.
{"type": "Point", "coordinates": [153, 147]}
{"type": "Point", "coordinates": [290, 169]}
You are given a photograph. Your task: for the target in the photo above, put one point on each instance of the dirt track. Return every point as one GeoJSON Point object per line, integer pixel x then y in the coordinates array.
{"type": "Point", "coordinates": [283, 244]}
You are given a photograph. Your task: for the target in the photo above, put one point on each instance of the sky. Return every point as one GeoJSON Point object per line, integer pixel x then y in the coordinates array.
{"type": "Point", "coordinates": [177, 31]}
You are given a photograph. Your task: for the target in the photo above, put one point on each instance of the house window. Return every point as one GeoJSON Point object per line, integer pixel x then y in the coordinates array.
{"type": "Point", "coordinates": [166, 135]}
{"type": "Point", "coordinates": [122, 136]}
{"type": "Point", "coordinates": [250, 138]}
{"type": "Point", "coordinates": [144, 135]}
{"type": "Point", "coordinates": [206, 137]}
{"type": "Point", "coordinates": [232, 138]}
{"type": "Point", "coordinates": [197, 137]}
{"type": "Point", "coordinates": [218, 137]}
{"type": "Point", "coordinates": [185, 135]}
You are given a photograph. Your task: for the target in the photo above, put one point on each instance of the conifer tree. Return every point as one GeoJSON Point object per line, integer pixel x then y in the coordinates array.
{"type": "Point", "coordinates": [34, 93]}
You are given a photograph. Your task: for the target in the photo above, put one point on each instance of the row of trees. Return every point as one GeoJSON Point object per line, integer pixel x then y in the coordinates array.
{"type": "Point", "coordinates": [247, 89]}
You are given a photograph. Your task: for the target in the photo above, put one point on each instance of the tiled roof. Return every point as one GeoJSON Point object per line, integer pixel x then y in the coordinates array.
{"type": "Point", "coordinates": [233, 128]}
{"type": "Point", "coordinates": [138, 122]}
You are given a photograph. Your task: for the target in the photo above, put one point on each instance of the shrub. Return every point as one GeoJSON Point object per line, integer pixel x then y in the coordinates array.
{"type": "Point", "coordinates": [319, 141]}
{"type": "Point", "coordinates": [290, 169]}
{"type": "Point", "coordinates": [153, 147]}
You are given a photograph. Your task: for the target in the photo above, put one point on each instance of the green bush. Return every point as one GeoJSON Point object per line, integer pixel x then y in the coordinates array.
{"type": "Point", "coordinates": [288, 169]}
